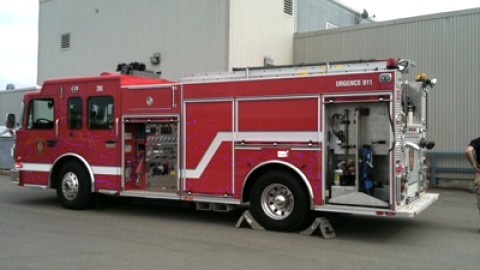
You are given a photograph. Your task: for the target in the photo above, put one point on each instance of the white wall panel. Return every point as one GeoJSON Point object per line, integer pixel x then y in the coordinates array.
{"type": "Point", "coordinates": [191, 35]}
{"type": "Point", "coordinates": [260, 29]}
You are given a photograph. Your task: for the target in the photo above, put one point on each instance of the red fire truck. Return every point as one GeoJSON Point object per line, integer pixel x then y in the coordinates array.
{"type": "Point", "coordinates": [285, 141]}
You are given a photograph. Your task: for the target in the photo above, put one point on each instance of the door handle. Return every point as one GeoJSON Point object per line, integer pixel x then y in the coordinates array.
{"type": "Point", "coordinates": [110, 144]}
{"type": "Point", "coordinates": [51, 142]}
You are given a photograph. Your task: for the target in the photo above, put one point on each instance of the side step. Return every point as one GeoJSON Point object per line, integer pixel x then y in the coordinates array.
{"type": "Point", "coordinates": [321, 224]}
{"type": "Point", "coordinates": [216, 207]}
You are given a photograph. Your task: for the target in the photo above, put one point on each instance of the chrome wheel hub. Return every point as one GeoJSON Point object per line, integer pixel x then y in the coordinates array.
{"type": "Point", "coordinates": [277, 201]}
{"type": "Point", "coordinates": [70, 186]}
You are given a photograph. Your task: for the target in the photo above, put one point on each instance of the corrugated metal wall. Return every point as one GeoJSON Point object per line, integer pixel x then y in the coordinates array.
{"type": "Point", "coordinates": [445, 46]}
{"type": "Point", "coordinates": [313, 15]}
{"type": "Point", "coordinates": [192, 36]}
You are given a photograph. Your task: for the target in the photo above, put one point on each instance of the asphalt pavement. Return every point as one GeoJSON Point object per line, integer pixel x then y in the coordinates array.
{"type": "Point", "coordinates": [37, 233]}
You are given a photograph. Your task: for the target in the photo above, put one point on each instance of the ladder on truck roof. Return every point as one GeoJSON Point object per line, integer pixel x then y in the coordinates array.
{"type": "Point", "coordinates": [294, 71]}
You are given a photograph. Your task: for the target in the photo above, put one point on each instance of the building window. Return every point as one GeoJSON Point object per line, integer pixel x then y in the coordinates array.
{"type": "Point", "coordinates": [74, 113]}
{"type": "Point", "coordinates": [288, 7]}
{"type": "Point", "coordinates": [100, 113]}
{"type": "Point", "coordinates": [65, 41]}
{"type": "Point", "coordinates": [40, 114]}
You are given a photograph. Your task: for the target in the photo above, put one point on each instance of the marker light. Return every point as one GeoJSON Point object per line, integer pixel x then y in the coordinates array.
{"type": "Point", "coordinates": [401, 65]}
{"type": "Point", "coordinates": [420, 77]}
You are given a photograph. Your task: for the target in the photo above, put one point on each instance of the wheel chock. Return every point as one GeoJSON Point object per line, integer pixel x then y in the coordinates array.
{"type": "Point", "coordinates": [321, 224]}
{"type": "Point", "coordinates": [247, 219]}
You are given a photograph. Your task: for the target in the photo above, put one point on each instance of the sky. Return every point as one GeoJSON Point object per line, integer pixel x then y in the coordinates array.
{"type": "Point", "coordinates": [19, 27]}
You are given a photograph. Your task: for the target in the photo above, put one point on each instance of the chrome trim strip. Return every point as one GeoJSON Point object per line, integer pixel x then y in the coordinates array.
{"type": "Point", "coordinates": [107, 170]}
{"type": "Point", "coordinates": [279, 136]}
{"type": "Point", "coordinates": [150, 195]}
{"type": "Point", "coordinates": [174, 88]}
{"type": "Point", "coordinates": [192, 198]}
{"type": "Point", "coordinates": [306, 149]}
{"type": "Point", "coordinates": [108, 192]}
{"type": "Point", "coordinates": [36, 167]}
{"type": "Point", "coordinates": [234, 130]}
{"type": "Point", "coordinates": [149, 86]}
{"type": "Point", "coordinates": [42, 187]}
{"type": "Point", "coordinates": [310, 96]}
{"type": "Point", "coordinates": [239, 147]}
{"type": "Point", "coordinates": [355, 94]}
{"type": "Point", "coordinates": [200, 100]}
{"type": "Point", "coordinates": [56, 128]}
{"type": "Point", "coordinates": [150, 116]}
{"type": "Point", "coordinates": [117, 128]}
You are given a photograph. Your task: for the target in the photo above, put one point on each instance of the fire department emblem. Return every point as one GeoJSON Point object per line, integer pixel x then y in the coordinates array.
{"type": "Point", "coordinates": [39, 146]}
{"type": "Point", "coordinates": [149, 101]}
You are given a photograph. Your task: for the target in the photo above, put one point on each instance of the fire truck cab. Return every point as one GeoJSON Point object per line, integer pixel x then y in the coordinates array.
{"type": "Point", "coordinates": [285, 141]}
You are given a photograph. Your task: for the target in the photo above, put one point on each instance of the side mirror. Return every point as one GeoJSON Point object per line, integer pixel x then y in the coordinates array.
{"type": "Point", "coordinates": [10, 121]}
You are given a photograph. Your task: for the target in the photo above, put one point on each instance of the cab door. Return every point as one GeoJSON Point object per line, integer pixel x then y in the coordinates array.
{"type": "Point", "coordinates": [39, 140]}
{"type": "Point", "coordinates": [102, 130]}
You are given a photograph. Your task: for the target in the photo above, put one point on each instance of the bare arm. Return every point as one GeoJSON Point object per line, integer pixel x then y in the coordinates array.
{"type": "Point", "coordinates": [471, 158]}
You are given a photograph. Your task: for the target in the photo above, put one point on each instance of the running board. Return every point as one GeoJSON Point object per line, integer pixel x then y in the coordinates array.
{"type": "Point", "coordinates": [358, 198]}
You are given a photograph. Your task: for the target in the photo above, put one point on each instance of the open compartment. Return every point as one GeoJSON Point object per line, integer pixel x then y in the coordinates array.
{"type": "Point", "coordinates": [151, 150]}
{"type": "Point", "coordinates": [358, 156]}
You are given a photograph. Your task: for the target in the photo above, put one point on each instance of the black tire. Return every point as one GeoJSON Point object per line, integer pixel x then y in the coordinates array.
{"type": "Point", "coordinates": [279, 201]}
{"type": "Point", "coordinates": [74, 186]}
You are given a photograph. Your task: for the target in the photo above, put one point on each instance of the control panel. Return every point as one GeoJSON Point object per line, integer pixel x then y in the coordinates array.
{"type": "Point", "coordinates": [161, 152]}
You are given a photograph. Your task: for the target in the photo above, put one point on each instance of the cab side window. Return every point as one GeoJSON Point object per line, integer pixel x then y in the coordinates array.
{"type": "Point", "coordinates": [100, 112]}
{"type": "Point", "coordinates": [40, 114]}
{"type": "Point", "coordinates": [74, 113]}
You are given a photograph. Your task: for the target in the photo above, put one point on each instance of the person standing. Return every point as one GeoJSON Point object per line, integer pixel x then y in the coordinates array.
{"type": "Point", "coordinates": [473, 156]}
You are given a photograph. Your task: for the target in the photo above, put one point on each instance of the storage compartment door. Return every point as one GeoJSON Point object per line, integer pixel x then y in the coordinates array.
{"type": "Point", "coordinates": [209, 147]}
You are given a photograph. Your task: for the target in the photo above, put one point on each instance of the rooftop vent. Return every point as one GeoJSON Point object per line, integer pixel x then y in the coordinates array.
{"type": "Point", "coordinates": [288, 7]}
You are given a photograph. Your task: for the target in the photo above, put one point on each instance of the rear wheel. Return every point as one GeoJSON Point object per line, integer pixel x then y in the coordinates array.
{"type": "Point", "coordinates": [279, 201]}
{"type": "Point", "coordinates": [73, 186]}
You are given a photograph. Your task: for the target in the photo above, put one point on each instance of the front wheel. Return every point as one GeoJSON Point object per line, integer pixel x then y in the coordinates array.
{"type": "Point", "coordinates": [279, 201]}
{"type": "Point", "coordinates": [73, 186]}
